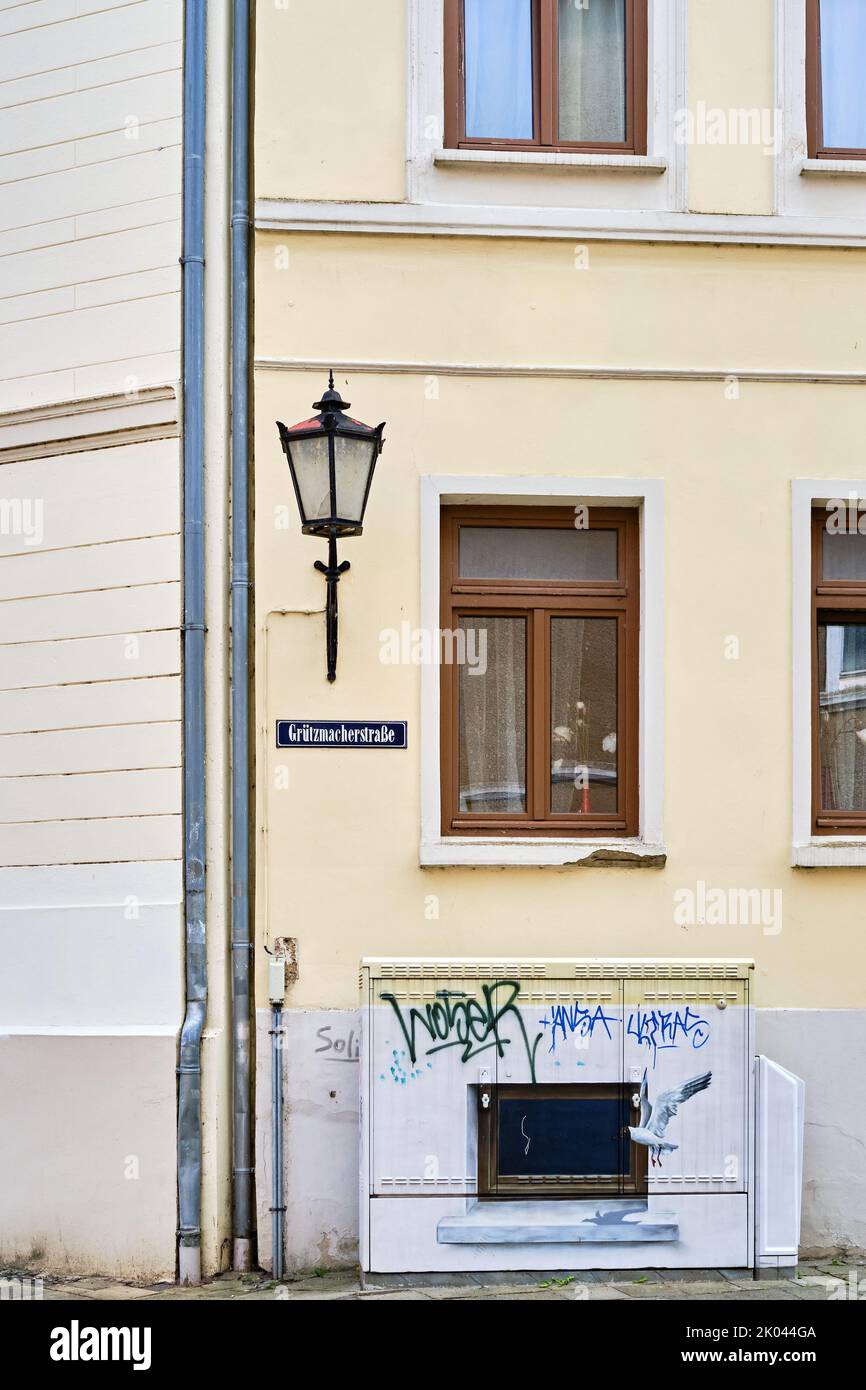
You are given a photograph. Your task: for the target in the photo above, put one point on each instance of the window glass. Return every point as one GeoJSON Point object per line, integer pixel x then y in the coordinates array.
{"type": "Point", "coordinates": [538, 553]}
{"type": "Point", "coordinates": [549, 1137]}
{"type": "Point", "coordinates": [583, 716]}
{"type": "Point", "coordinates": [842, 716]}
{"type": "Point", "coordinates": [592, 71]}
{"type": "Point", "coordinates": [492, 697]}
{"type": "Point", "coordinates": [498, 69]}
{"type": "Point", "coordinates": [843, 73]}
{"type": "Point", "coordinates": [843, 554]}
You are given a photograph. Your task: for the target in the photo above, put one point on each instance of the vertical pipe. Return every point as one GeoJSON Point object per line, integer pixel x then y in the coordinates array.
{"type": "Point", "coordinates": [189, 1135]}
{"type": "Point", "coordinates": [277, 1206]}
{"type": "Point", "coordinates": [241, 937]}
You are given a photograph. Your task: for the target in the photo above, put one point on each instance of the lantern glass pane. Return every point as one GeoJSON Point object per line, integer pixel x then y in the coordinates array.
{"type": "Point", "coordinates": [310, 459]}
{"type": "Point", "coordinates": [353, 461]}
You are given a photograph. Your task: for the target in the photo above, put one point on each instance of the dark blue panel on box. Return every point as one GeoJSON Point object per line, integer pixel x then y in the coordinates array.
{"type": "Point", "coordinates": [545, 1138]}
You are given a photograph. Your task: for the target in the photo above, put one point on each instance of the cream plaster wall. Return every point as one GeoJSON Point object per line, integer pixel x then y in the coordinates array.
{"type": "Point", "coordinates": [330, 96]}
{"type": "Point", "coordinates": [731, 70]}
{"type": "Point", "coordinates": [346, 881]}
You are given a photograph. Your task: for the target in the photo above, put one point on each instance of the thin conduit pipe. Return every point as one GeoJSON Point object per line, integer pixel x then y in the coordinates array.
{"type": "Point", "coordinates": [189, 1135]}
{"type": "Point", "coordinates": [242, 1171]}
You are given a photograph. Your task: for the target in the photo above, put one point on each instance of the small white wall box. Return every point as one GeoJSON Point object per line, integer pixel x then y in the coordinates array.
{"type": "Point", "coordinates": [578, 1114]}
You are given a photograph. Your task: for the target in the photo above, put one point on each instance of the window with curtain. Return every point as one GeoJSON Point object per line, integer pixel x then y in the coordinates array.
{"type": "Point", "coordinates": [548, 74]}
{"type": "Point", "coordinates": [839, 664]}
{"type": "Point", "coordinates": [836, 78]}
{"type": "Point", "coordinates": [540, 671]}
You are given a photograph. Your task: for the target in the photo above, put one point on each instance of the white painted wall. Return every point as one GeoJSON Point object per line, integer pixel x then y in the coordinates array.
{"type": "Point", "coordinates": [90, 612]}
{"type": "Point", "coordinates": [90, 182]}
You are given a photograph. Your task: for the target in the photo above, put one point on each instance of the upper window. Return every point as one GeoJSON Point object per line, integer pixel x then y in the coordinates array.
{"type": "Point", "coordinates": [546, 74]}
{"type": "Point", "coordinates": [540, 691]}
{"type": "Point", "coordinates": [839, 674]}
{"type": "Point", "coordinates": [836, 78]}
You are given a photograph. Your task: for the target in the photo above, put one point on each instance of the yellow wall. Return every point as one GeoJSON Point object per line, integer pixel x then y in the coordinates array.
{"type": "Point", "coordinates": [730, 69]}
{"type": "Point", "coordinates": [338, 847]}
{"type": "Point", "coordinates": [330, 99]}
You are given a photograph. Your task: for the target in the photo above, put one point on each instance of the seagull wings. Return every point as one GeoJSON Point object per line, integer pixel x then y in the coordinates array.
{"type": "Point", "coordinates": [668, 1101]}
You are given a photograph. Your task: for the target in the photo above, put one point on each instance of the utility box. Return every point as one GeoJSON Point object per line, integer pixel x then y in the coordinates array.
{"type": "Point", "coordinates": [540, 1114]}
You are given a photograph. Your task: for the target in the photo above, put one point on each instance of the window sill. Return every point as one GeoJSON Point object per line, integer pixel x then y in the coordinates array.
{"type": "Point", "coordinates": [524, 160]}
{"type": "Point", "coordinates": [542, 852]}
{"type": "Point", "coordinates": [830, 852]}
{"type": "Point", "coordinates": [834, 168]}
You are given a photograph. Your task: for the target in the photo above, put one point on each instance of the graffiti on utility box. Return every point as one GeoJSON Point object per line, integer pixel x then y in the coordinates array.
{"type": "Point", "coordinates": [475, 1026]}
{"type": "Point", "coordinates": [494, 1022]}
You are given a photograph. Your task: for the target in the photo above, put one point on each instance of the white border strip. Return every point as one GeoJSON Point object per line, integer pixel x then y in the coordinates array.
{"type": "Point", "coordinates": [579, 224]}
{"type": "Point", "coordinates": [437, 850]}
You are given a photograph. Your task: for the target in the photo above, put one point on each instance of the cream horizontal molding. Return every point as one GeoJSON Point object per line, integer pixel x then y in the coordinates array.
{"type": "Point", "coordinates": [572, 224]}
{"type": "Point", "coordinates": [597, 373]}
{"type": "Point", "coordinates": [93, 422]}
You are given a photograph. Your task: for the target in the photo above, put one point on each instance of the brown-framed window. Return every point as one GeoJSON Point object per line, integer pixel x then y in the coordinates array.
{"type": "Point", "coordinates": [838, 675]}
{"type": "Point", "coordinates": [540, 677]}
{"type": "Point", "coordinates": [546, 75]}
{"type": "Point", "coordinates": [835, 85]}
{"type": "Point", "coordinates": [558, 1141]}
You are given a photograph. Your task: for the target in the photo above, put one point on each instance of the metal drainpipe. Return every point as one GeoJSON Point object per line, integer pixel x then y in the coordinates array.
{"type": "Point", "coordinates": [189, 1134]}
{"type": "Point", "coordinates": [242, 1171]}
{"type": "Point", "coordinates": [278, 1209]}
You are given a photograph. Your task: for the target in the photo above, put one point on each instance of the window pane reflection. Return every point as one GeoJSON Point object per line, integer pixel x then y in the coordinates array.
{"type": "Point", "coordinates": [842, 715]}
{"type": "Point", "coordinates": [498, 59]}
{"type": "Point", "coordinates": [583, 716]}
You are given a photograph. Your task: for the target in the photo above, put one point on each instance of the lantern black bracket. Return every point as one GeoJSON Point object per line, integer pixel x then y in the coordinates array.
{"type": "Point", "coordinates": [331, 458]}
{"type": "Point", "coordinates": [332, 572]}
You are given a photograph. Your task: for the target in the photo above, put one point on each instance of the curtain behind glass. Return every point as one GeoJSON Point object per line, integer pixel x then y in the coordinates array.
{"type": "Point", "coordinates": [498, 58]}
{"type": "Point", "coordinates": [843, 73]}
{"type": "Point", "coordinates": [592, 71]}
{"type": "Point", "coordinates": [493, 720]}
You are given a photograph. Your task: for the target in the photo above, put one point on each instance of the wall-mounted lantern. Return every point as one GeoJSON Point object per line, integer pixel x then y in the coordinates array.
{"type": "Point", "coordinates": [331, 460]}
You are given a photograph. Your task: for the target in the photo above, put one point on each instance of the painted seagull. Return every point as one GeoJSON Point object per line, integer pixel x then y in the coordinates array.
{"type": "Point", "coordinates": [654, 1118]}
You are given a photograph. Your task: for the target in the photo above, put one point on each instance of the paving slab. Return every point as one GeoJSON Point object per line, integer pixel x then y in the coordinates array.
{"type": "Point", "coordinates": [818, 1280]}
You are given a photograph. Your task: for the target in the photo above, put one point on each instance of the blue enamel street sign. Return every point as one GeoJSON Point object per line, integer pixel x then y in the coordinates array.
{"type": "Point", "coordinates": [342, 733]}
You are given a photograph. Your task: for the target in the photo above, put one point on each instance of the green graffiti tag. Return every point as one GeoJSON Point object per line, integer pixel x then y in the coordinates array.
{"type": "Point", "coordinates": [455, 1020]}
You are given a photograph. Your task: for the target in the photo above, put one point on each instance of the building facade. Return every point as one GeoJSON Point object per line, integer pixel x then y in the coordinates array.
{"type": "Point", "coordinates": [658, 320]}
{"type": "Point", "coordinates": [599, 267]}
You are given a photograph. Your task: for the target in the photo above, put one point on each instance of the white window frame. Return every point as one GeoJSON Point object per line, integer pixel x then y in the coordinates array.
{"type": "Point", "coordinates": [438, 850]}
{"type": "Point", "coordinates": [494, 183]}
{"type": "Point", "coordinates": [807, 188]}
{"type": "Point", "coordinates": [810, 851]}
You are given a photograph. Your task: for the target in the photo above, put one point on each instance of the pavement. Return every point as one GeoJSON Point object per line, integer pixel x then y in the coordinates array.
{"type": "Point", "coordinates": [839, 1279]}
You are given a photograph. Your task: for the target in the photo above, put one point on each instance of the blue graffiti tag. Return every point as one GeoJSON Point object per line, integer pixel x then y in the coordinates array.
{"type": "Point", "coordinates": [566, 1020]}
{"type": "Point", "coordinates": [658, 1029]}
